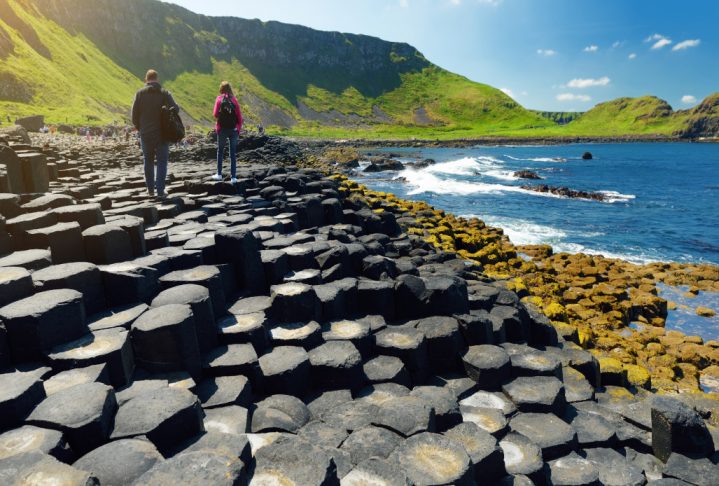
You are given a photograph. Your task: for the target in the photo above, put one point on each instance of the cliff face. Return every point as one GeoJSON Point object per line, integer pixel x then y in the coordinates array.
{"type": "Point", "coordinates": [703, 121]}
{"type": "Point", "coordinates": [284, 58]}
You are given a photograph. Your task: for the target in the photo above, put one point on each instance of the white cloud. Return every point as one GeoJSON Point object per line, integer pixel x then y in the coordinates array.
{"type": "Point", "coordinates": [659, 41]}
{"type": "Point", "coordinates": [455, 2]}
{"type": "Point", "coordinates": [632, 56]}
{"type": "Point", "coordinates": [547, 52]}
{"type": "Point", "coordinates": [492, 3]}
{"type": "Point", "coordinates": [689, 99]}
{"type": "Point", "coordinates": [573, 97]}
{"type": "Point", "coordinates": [404, 3]}
{"type": "Point", "coordinates": [686, 44]}
{"type": "Point", "coordinates": [582, 83]}
{"type": "Point", "coordinates": [592, 48]}
{"type": "Point", "coordinates": [617, 44]}
{"type": "Point", "coordinates": [507, 91]}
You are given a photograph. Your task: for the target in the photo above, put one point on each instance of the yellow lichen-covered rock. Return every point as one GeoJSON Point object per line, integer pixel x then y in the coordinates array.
{"type": "Point", "coordinates": [638, 376]}
{"type": "Point", "coordinates": [705, 312]}
{"type": "Point", "coordinates": [556, 312]}
{"type": "Point", "coordinates": [671, 305]}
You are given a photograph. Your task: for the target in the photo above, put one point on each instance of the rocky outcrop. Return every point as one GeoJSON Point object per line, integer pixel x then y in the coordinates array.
{"type": "Point", "coordinates": [381, 164]}
{"type": "Point", "coordinates": [566, 192]}
{"type": "Point", "coordinates": [526, 174]}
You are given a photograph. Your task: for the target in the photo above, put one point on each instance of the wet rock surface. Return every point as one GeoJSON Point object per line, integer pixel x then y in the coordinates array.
{"type": "Point", "coordinates": [278, 331]}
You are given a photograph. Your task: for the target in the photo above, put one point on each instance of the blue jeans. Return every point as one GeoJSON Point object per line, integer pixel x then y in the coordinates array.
{"type": "Point", "coordinates": [154, 148]}
{"type": "Point", "coordinates": [222, 136]}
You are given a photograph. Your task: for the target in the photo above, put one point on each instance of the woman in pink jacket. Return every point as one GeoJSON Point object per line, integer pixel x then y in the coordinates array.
{"type": "Point", "coordinates": [229, 124]}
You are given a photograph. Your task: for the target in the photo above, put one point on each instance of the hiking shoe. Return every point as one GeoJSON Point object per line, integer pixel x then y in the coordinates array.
{"type": "Point", "coordinates": [233, 180]}
{"type": "Point", "coordinates": [151, 192]}
{"type": "Point", "coordinates": [217, 177]}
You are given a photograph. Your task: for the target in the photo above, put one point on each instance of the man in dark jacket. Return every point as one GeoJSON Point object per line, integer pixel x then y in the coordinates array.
{"type": "Point", "coordinates": [146, 115]}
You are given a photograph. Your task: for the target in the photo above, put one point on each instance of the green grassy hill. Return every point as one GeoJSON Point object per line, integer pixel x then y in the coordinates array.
{"type": "Point", "coordinates": [80, 62]}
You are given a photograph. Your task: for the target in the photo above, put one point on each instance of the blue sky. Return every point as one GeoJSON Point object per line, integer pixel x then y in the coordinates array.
{"type": "Point", "coordinates": [547, 54]}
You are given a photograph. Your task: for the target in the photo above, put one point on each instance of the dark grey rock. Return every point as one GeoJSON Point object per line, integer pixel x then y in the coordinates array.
{"type": "Point", "coordinates": [223, 391]}
{"type": "Point", "coordinates": [537, 394]}
{"type": "Point", "coordinates": [387, 369]}
{"type": "Point", "coordinates": [110, 346]}
{"type": "Point", "coordinates": [31, 467]}
{"type": "Point", "coordinates": [38, 323]}
{"type": "Point", "coordinates": [195, 469]}
{"type": "Point", "coordinates": [286, 369]}
{"type": "Point", "coordinates": [573, 470]}
{"type": "Point", "coordinates": [173, 325]}
{"type": "Point", "coordinates": [280, 413]}
{"type": "Point", "coordinates": [375, 471]}
{"type": "Point", "coordinates": [291, 460]}
{"type": "Point", "coordinates": [433, 459]}
{"type": "Point", "coordinates": [84, 413]}
{"type": "Point", "coordinates": [15, 284]}
{"type": "Point", "coordinates": [231, 419]}
{"type": "Point", "coordinates": [336, 364]}
{"type": "Point", "coordinates": [486, 455]}
{"type": "Point", "coordinates": [487, 365]}
{"type": "Point", "coordinates": [555, 437]}
{"type": "Point", "coordinates": [676, 427]}
{"type": "Point", "coordinates": [120, 462]}
{"type": "Point", "coordinates": [19, 394]}
{"type": "Point", "coordinates": [405, 415]}
{"type": "Point", "coordinates": [198, 298]}
{"type": "Point", "coordinates": [29, 438]}
{"type": "Point", "coordinates": [371, 442]}
{"type": "Point", "coordinates": [166, 416]}
{"type": "Point", "coordinates": [207, 276]}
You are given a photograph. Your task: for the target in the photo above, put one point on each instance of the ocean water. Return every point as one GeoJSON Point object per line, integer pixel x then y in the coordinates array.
{"type": "Point", "coordinates": [662, 205]}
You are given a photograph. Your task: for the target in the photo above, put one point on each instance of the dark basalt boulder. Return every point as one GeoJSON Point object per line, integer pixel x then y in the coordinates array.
{"type": "Point", "coordinates": [587, 156]}
{"type": "Point", "coordinates": [566, 192]}
{"type": "Point", "coordinates": [384, 165]}
{"type": "Point", "coordinates": [526, 174]}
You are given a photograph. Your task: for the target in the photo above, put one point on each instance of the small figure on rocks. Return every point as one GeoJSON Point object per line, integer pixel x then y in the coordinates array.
{"type": "Point", "coordinates": [146, 116]}
{"type": "Point", "coordinates": [229, 125]}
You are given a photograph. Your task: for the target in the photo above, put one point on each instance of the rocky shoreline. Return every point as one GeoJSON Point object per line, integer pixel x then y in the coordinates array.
{"type": "Point", "coordinates": [313, 332]}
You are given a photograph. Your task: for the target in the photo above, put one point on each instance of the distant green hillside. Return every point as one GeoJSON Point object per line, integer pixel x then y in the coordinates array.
{"type": "Point", "coordinates": [79, 61]}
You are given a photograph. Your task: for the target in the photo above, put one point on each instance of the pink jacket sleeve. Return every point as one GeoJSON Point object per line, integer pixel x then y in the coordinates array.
{"type": "Point", "coordinates": [239, 115]}
{"type": "Point", "coordinates": [216, 111]}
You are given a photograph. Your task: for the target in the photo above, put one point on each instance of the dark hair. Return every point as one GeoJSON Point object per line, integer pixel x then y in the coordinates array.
{"type": "Point", "coordinates": [225, 88]}
{"type": "Point", "coordinates": [151, 75]}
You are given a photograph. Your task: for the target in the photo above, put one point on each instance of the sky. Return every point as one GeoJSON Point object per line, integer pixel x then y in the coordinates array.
{"type": "Point", "coordinates": [559, 55]}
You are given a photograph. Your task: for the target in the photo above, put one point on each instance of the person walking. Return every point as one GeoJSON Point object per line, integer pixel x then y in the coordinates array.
{"type": "Point", "coordinates": [228, 127]}
{"type": "Point", "coordinates": [147, 116]}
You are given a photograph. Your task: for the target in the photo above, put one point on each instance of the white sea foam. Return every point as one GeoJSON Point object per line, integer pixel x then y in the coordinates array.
{"type": "Point", "coordinates": [502, 174]}
{"type": "Point", "coordinates": [538, 159]}
{"type": "Point", "coordinates": [466, 166]}
{"type": "Point", "coordinates": [523, 232]}
{"type": "Point", "coordinates": [641, 258]}
{"type": "Point", "coordinates": [614, 196]}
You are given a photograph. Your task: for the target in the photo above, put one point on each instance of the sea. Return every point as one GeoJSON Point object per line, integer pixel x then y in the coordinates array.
{"type": "Point", "coordinates": [661, 202]}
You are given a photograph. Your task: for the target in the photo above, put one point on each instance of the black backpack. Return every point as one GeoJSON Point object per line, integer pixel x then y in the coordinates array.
{"type": "Point", "coordinates": [171, 126]}
{"type": "Point", "coordinates": [227, 117]}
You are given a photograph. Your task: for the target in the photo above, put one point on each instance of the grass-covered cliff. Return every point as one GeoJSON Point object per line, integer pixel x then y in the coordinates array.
{"type": "Point", "coordinates": [79, 61]}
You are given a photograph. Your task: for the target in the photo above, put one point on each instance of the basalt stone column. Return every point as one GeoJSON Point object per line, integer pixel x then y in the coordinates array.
{"type": "Point", "coordinates": [111, 347]}
{"type": "Point", "coordinates": [198, 298]}
{"type": "Point", "coordinates": [167, 417]}
{"type": "Point", "coordinates": [121, 461]}
{"type": "Point", "coordinates": [677, 427]}
{"type": "Point", "coordinates": [126, 283]}
{"type": "Point", "coordinates": [164, 339]}
{"type": "Point", "coordinates": [34, 172]}
{"type": "Point", "coordinates": [207, 276]}
{"type": "Point", "coordinates": [10, 160]}
{"type": "Point", "coordinates": [294, 302]}
{"type": "Point", "coordinates": [407, 344]}
{"type": "Point", "coordinates": [106, 244]}
{"type": "Point", "coordinates": [19, 394]}
{"type": "Point", "coordinates": [86, 215]}
{"type": "Point", "coordinates": [84, 413]}
{"type": "Point", "coordinates": [81, 276]}
{"type": "Point", "coordinates": [38, 323]}
{"type": "Point", "coordinates": [240, 247]}
{"type": "Point", "coordinates": [29, 438]}
{"type": "Point", "coordinates": [63, 239]}
{"type": "Point", "coordinates": [15, 284]}
{"type": "Point", "coordinates": [135, 228]}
